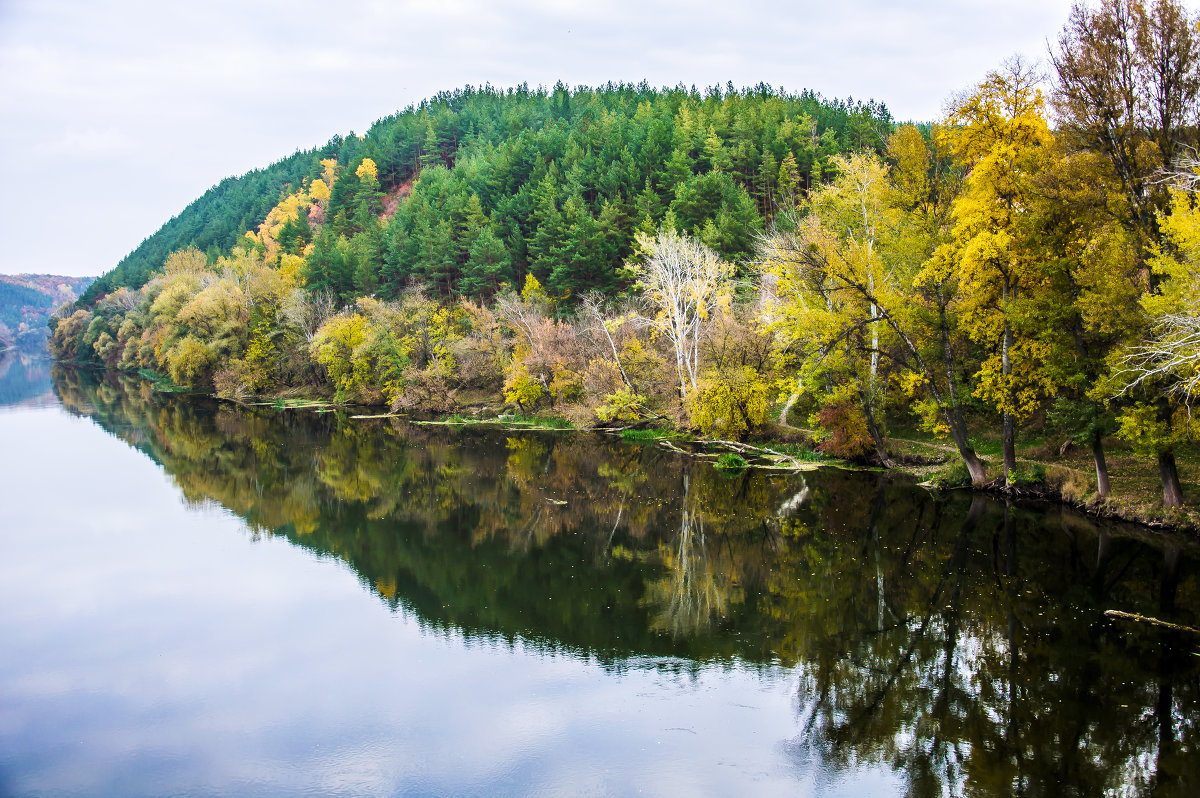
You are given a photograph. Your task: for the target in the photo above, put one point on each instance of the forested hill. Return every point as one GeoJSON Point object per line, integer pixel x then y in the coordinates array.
{"type": "Point", "coordinates": [26, 302]}
{"type": "Point", "coordinates": [479, 187]}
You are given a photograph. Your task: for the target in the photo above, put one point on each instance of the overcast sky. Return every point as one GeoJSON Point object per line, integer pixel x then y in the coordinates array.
{"type": "Point", "coordinates": [115, 114]}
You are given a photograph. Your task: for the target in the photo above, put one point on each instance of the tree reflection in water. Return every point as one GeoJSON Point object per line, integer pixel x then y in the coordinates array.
{"type": "Point", "coordinates": [958, 640]}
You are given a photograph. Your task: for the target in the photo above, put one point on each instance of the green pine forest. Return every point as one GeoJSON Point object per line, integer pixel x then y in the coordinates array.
{"type": "Point", "coordinates": [737, 263]}
{"type": "Point", "coordinates": [555, 181]}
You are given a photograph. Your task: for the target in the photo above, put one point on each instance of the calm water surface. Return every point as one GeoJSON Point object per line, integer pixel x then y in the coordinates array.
{"type": "Point", "coordinates": [197, 599]}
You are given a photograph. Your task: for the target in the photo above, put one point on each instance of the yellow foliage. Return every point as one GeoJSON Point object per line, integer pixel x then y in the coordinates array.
{"type": "Point", "coordinates": [998, 248]}
{"type": "Point", "coordinates": [218, 310]}
{"type": "Point", "coordinates": [289, 209]}
{"type": "Point", "coordinates": [1142, 429]}
{"type": "Point", "coordinates": [523, 389]}
{"type": "Point", "coordinates": [1181, 290]}
{"type": "Point", "coordinates": [328, 171]}
{"type": "Point", "coordinates": [319, 190]}
{"type": "Point", "coordinates": [291, 272]}
{"type": "Point", "coordinates": [335, 347]}
{"type": "Point", "coordinates": [185, 261]}
{"type": "Point", "coordinates": [565, 385]}
{"type": "Point", "coordinates": [533, 292]}
{"type": "Point", "coordinates": [68, 331]}
{"type": "Point", "coordinates": [730, 404]}
{"type": "Point", "coordinates": [367, 171]}
{"type": "Point", "coordinates": [171, 293]}
{"type": "Point", "coordinates": [189, 361]}
{"type": "Point", "coordinates": [622, 405]}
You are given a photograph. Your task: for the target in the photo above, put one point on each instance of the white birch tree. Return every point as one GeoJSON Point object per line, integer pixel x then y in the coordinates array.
{"type": "Point", "coordinates": [687, 282]}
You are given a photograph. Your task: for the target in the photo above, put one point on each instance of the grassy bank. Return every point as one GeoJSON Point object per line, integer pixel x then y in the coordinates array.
{"type": "Point", "coordinates": [1047, 469]}
{"type": "Point", "coordinates": [1063, 471]}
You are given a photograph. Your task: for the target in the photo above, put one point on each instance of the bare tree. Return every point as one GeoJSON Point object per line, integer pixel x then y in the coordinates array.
{"type": "Point", "coordinates": [592, 308]}
{"type": "Point", "coordinates": [1172, 354]}
{"type": "Point", "coordinates": [1127, 81]}
{"type": "Point", "coordinates": [686, 281]}
{"type": "Point", "coordinates": [307, 311]}
{"type": "Point", "coordinates": [525, 313]}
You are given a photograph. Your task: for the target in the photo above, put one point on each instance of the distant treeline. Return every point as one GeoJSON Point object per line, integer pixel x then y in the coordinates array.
{"type": "Point", "coordinates": [27, 302]}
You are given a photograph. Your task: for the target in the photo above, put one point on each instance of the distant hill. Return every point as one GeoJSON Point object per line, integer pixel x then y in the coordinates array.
{"type": "Point", "coordinates": [480, 187]}
{"type": "Point", "coordinates": [27, 300]}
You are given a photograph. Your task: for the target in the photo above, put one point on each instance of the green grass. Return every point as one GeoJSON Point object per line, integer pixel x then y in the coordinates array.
{"type": "Point", "coordinates": [730, 462]}
{"type": "Point", "coordinates": [800, 453]}
{"type": "Point", "coordinates": [552, 422]}
{"type": "Point", "coordinates": [514, 420]}
{"type": "Point", "coordinates": [651, 435]}
{"type": "Point", "coordinates": [951, 474]}
{"type": "Point", "coordinates": [282, 403]}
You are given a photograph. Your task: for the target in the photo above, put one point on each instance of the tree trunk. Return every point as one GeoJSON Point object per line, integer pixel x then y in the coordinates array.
{"type": "Point", "coordinates": [1102, 487]}
{"type": "Point", "coordinates": [791, 402]}
{"type": "Point", "coordinates": [1172, 492]}
{"type": "Point", "coordinates": [952, 411]}
{"type": "Point", "coordinates": [1010, 449]}
{"type": "Point", "coordinates": [948, 405]}
{"type": "Point", "coordinates": [971, 460]}
{"type": "Point", "coordinates": [873, 428]}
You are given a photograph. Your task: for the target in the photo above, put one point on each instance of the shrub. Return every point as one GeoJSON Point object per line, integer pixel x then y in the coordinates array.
{"type": "Point", "coordinates": [731, 404]}
{"type": "Point", "coordinates": [1072, 485]}
{"type": "Point", "coordinates": [189, 362]}
{"type": "Point", "coordinates": [842, 430]}
{"type": "Point", "coordinates": [523, 389]}
{"type": "Point", "coordinates": [621, 405]}
{"type": "Point", "coordinates": [730, 462]}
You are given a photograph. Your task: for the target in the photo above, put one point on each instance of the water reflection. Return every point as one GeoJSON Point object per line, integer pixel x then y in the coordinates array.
{"type": "Point", "coordinates": [961, 641]}
{"type": "Point", "coordinates": [24, 378]}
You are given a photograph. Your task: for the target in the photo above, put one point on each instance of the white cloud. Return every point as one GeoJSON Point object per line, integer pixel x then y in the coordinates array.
{"type": "Point", "coordinates": [140, 106]}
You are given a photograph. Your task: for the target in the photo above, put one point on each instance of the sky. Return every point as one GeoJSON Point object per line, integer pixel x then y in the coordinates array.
{"type": "Point", "coordinates": [115, 114]}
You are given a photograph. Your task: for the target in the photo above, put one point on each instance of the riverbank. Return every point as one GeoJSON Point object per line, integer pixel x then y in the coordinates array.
{"type": "Point", "coordinates": [1047, 471]}
{"type": "Point", "coordinates": [1061, 480]}
{"type": "Point", "coordinates": [1065, 473]}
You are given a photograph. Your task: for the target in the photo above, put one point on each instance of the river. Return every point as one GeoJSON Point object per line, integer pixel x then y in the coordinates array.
{"type": "Point", "coordinates": [202, 599]}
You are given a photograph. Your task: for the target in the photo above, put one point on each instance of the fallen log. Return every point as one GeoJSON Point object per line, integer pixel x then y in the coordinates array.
{"type": "Point", "coordinates": [1146, 619]}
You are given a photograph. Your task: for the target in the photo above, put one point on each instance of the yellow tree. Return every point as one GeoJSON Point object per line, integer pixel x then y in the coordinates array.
{"type": "Point", "coordinates": [848, 288]}
{"type": "Point", "coordinates": [926, 182]}
{"type": "Point", "coordinates": [1166, 362]}
{"type": "Point", "coordinates": [829, 279]}
{"type": "Point", "coordinates": [1127, 91]}
{"type": "Point", "coordinates": [999, 131]}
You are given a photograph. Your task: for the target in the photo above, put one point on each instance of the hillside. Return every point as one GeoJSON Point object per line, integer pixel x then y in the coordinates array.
{"type": "Point", "coordinates": [27, 300]}
{"type": "Point", "coordinates": [480, 187]}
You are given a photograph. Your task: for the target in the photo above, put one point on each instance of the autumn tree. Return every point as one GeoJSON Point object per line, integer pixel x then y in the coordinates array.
{"type": "Point", "coordinates": [999, 130]}
{"type": "Point", "coordinates": [852, 287]}
{"type": "Point", "coordinates": [1126, 90]}
{"type": "Point", "coordinates": [927, 181]}
{"type": "Point", "coordinates": [686, 282]}
{"type": "Point", "coordinates": [1164, 365]}
{"type": "Point", "coordinates": [828, 277]}
{"type": "Point", "coordinates": [1095, 305]}
{"type": "Point", "coordinates": [1127, 82]}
